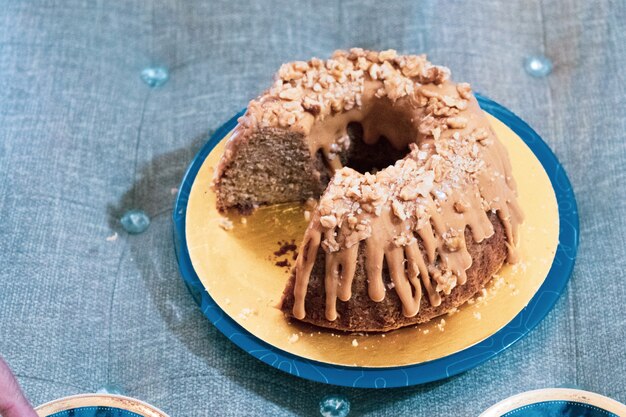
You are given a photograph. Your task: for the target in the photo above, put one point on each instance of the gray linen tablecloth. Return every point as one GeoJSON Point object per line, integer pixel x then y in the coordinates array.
{"type": "Point", "coordinates": [83, 139]}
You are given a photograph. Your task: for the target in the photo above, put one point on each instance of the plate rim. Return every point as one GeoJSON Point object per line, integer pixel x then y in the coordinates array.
{"type": "Point", "coordinates": [400, 376]}
{"type": "Point", "coordinates": [70, 402]}
{"type": "Point", "coordinates": [545, 395]}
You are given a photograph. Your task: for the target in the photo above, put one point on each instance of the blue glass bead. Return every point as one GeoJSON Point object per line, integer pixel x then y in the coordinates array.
{"type": "Point", "coordinates": [155, 76]}
{"type": "Point", "coordinates": [538, 65]}
{"type": "Point", "coordinates": [334, 406]}
{"type": "Point", "coordinates": [135, 221]}
{"type": "Point", "coordinates": [111, 389]}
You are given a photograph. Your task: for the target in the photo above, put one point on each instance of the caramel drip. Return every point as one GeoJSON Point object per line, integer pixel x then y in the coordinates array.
{"type": "Point", "coordinates": [442, 214]}
{"type": "Point", "coordinates": [304, 266]}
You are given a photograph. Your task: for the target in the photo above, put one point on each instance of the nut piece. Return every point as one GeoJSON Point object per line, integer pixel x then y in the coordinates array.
{"type": "Point", "coordinates": [226, 224]}
{"type": "Point", "coordinates": [398, 209]}
{"type": "Point", "coordinates": [387, 55]}
{"type": "Point", "coordinates": [329, 221]}
{"type": "Point", "coordinates": [456, 122]}
{"type": "Point", "coordinates": [291, 94]}
{"type": "Point", "coordinates": [409, 193]}
{"type": "Point", "coordinates": [465, 90]}
{"type": "Point", "coordinates": [461, 206]}
{"type": "Point", "coordinates": [480, 134]}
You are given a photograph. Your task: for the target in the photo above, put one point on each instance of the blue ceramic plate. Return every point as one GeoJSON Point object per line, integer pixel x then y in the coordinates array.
{"type": "Point", "coordinates": [526, 320]}
{"type": "Point", "coordinates": [98, 405]}
{"type": "Point", "coordinates": [95, 412]}
{"type": "Point", "coordinates": [557, 402]}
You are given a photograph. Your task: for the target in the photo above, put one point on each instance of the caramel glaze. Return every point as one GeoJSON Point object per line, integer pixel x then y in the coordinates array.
{"type": "Point", "coordinates": [456, 172]}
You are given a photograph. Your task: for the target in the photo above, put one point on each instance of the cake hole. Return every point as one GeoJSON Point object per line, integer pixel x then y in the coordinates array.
{"type": "Point", "coordinates": [363, 157]}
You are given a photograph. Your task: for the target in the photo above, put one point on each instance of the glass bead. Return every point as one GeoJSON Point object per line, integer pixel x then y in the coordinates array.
{"type": "Point", "coordinates": [538, 66]}
{"type": "Point", "coordinates": [334, 406]}
{"type": "Point", "coordinates": [155, 76]}
{"type": "Point", "coordinates": [135, 221]}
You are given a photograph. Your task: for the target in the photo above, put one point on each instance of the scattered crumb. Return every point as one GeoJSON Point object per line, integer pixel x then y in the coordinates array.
{"type": "Point", "coordinates": [520, 266]}
{"type": "Point", "coordinates": [471, 301]}
{"type": "Point", "coordinates": [226, 224]}
{"type": "Point", "coordinates": [307, 215]}
{"type": "Point", "coordinates": [173, 190]}
{"type": "Point", "coordinates": [284, 263]}
{"type": "Point", "coordinates": [246, 313]}
{"type": "Point", "coordinates": [383, 335]}
{"type": "Point", "coordinates": [293, 338]}
{"type": "Point", "coordinates": [426, 331]}
{"type": "Point", "coordinates": [244, 220]}
{"type": "Point", "coordinates": [355, 343]}
{"type": "Point", "coordinates": [310, 203]}
{"type": "Point", "coordinates": [227, 301]}
{"type": "Point", "coordinates": [483, 296]}
{"type": "Point", "coordinates": [515, 292]}
{"type": "Point", "coordinates": [113, 237]}
{"type": "Point", "coordinates": [287, 249]}
{"type": "Point", "coordinates": [390, 285]}
{"type": "Point", "coordinates": [498, 281]}
{"type": "Point", "coordinates": [441, 325]}
{"type": "Point", "coordinates": [477, 315]}
{"type": "Point", "coordinates": [512, 286]}
{"type": "Point", "coordinates": [453, 312]}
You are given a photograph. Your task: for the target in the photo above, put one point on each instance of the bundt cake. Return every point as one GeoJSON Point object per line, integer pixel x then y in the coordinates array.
{"type": "Point", "coordinates": [417, 204]}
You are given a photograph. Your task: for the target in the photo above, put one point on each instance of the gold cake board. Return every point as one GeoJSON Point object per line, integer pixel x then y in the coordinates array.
{"type": "Point", "coordinates": [238, 269]}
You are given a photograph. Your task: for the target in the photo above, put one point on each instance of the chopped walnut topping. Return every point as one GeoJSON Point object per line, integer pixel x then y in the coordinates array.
{"type": "Point", "coordinates": [404, 239]}
{"type": "Point", "coordinates": [321, 88]}
{"type": "Point", "coordinates": [452, 240]}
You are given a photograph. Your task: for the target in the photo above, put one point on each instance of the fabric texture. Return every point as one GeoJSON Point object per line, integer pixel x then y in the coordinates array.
{"type": "Point", "coordinates": [83, 139]}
